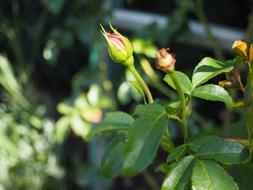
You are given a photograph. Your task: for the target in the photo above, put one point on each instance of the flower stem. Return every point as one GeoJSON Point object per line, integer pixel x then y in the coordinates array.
{"type": "Point", "coordinates": [184, 112]}
{"type": "Point", "coordinates": [249, 113]}
{"type": "Point", "coordinates": [142, 83]}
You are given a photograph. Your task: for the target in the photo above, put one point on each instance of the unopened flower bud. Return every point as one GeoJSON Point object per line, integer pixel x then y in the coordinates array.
{"type": "Point", "coordinates": [240, 47]}
{"type": "Point", "coordinates": [251, 54]}
{"type": "Point", "coordinates": [165, 60]}
{"type": "Point", "coordinates": [119, 47]}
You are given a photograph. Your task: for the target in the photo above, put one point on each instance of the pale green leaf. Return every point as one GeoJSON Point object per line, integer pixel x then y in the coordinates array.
{"type": "Point", "coordinates": [208, 68]}
{"type": "Point", "coordinates": [137, 86]}
{"type": "Point", "coordinates": [183, 80]}
{"type": "Point", "coordinates": [213, 93]}
{"type": "Point", "coordinates": [62, 127]}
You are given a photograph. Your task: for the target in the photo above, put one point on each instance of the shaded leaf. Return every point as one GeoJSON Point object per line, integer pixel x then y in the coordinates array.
{"type": "Point", "coordinates": [242, 174]}
{"type": "Point", "coordinates": [113, 157]}
{"type": "Point", "coordinates": [179, 177]}
{"type": "Point", "coordinates": [113, 121]}
{"type": "Point", "coordinates": [177, 153]}
{"type": "Point", "coordinates": [144, 138]}
{"type": "Point", "coordinates": [225, 152]}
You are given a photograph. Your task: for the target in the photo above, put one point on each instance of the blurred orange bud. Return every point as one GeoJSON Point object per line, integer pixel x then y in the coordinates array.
{"type": "Point", "coordinates": [93, 116]}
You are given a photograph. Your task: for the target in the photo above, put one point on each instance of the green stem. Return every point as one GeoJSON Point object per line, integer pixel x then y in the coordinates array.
{"type": "Point", "coordinates": [151, 180]}
{"type": "Point", "coordinates": [183, 104]}
{"type": "Point", "coordinates": [169, 140]}
{"type": "Point", "coordinates": [249, 114]}
{"type": "Point", "coordinates": [250, 27]}
{"type": "Point", "coordinates": [142, 83]}
{"type": "Point", "coordinates": [202, 17]}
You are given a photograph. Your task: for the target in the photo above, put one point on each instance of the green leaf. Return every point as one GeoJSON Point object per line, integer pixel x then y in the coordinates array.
{"type": "Point", "coordinates": [144, 137]}
{"type": "Point", "coordinates": [142, 109]}
{"type": "Point", "coordinates": [183, 80]}
{"type": "Point", "coordinates": [79, 126]}
{"type": "Point", "coordinates": [139, 89]}
{"type": "Point", "coordinates": [214, 93]}
{"type": "Point", "coordinates": [177, 153]}
{"type": "Point", "coordinates": [208, 68]}
{"type": "Point", "coordinates": [225, 152]}
{"type": "Point", "coordinates": [10, 83]}
{"type": "Point", "coordinates": [54, 6]}
{"type": "Point", "coordinates": [179, 177]}
{"type": "Point", "coordinates": [210, 175]}
{"type": "Point", "coordinates": [173, 107]}
{"type": "Point", "coordinates": [113, 121]}
{"type": "Point", "coordinates": [198, 141]}
{"type": "Point", "coordinates": [62, 128]}
{"type": "Point", "coordinates": [242, 174]}
{"type": "Point", "coordinates": [113, 157]}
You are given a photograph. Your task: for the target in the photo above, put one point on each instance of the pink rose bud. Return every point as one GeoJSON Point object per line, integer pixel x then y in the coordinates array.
{"type": "Point", "coordinates": [119, 47]}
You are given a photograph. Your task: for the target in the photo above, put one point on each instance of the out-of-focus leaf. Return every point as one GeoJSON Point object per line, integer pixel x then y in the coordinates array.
{"type": "Point", "coordinates": [139, 89]}
{"type": "Point", "coordinates": [9, 82]}
{"type": "Point", "coordinates": [62, 127]}
{"type": "Point", "coordinates": [242, 174]}
{"type": "Point", "coordinates": [79, 126]}
{"type": "Point", "coordinates": [51, 52]}
{"type": "Point", "coordinates": [64, 108]}
{"type": "Point", "coordinates": [144, 47]}
{"type": "Point", "coordinates": [54, 6]}
{"type": "Point", "coordinates": [113, 121]}
{"type": "Point", "coordinates": [113, 157]}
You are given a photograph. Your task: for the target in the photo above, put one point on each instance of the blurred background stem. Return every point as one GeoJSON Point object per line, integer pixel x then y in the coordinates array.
{"type": "Point", "coordinates": [199, 9]}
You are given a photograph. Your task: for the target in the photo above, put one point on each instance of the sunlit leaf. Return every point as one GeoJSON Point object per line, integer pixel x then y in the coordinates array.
{"type": "Point", "coordinates": [210, 175]}
{"type": "Point", "coordinates": [183, 80]}
{"type": "Point", "coordinates": [208, 68]}
{"type": "Point", "coordinates": [214, 93]}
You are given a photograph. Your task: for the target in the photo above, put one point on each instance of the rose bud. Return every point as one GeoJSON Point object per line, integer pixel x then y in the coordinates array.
{"type": "Point", "coordinates": [240, 47]}
{"type": "Point", "coordinates": [119, 47]}
{"type": "Point", "coordinates": [165, 60]}
{"type": "Point", "coordinates": [251, 54]}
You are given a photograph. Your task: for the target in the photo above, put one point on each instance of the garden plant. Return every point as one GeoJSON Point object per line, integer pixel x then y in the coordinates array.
{"type": "Point", "coordinates": [201, 161]}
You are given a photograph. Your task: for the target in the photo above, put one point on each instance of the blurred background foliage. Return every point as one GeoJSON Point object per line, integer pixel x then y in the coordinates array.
{"type": "Point", "coordinates": [57, 82]}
